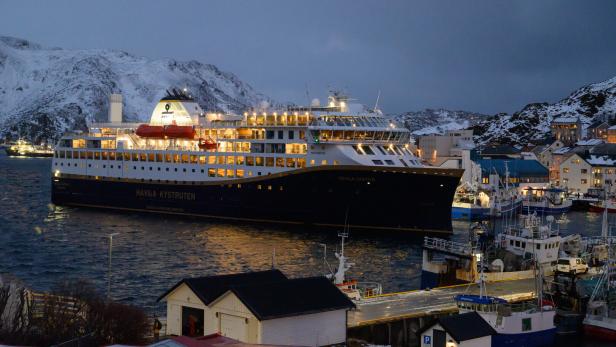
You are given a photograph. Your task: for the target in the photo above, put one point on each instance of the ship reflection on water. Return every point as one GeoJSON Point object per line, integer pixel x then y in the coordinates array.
{"type": "Point", "coordinates": [41, 244]}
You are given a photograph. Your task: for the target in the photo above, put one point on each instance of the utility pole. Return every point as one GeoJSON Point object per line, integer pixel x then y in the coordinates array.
{"type": "Point", "coordinates": [109, 266]}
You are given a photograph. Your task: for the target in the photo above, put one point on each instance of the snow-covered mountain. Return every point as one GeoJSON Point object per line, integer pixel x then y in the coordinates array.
{"type": "Point", "coordinates": [590, 103]}
{"type": "Point", "coordinates": [437, 121]}
{"type": "Point", "coordinates": [46, 91]}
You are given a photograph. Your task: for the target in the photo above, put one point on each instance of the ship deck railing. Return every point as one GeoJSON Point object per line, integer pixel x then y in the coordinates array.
{"type": "Point", "coordinates": [443, 245]}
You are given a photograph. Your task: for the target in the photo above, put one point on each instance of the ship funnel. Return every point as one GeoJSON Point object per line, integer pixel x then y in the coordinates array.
{"type": "Point", "coordinates": [115, 108]}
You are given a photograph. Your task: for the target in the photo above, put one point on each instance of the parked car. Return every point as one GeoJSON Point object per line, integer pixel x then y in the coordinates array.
{"type": "Point", "coordinates": [572, 265]}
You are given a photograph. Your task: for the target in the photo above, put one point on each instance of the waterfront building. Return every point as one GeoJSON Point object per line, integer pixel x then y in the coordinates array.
{"type": "Point", "coordinates": [259, 307]}
{"type": "Point", "coordinates": [321, 165]}
{"type": "Point", "coordinates": [499, 151]}
{"type": "Point", "coordinates": [582, 171]}
{"type": "Point", "coordinates": [458, 330]}
{"type": "Point", "coordinates": [520, 171]}
{"type": "Point", "coordinates": [567, 129]}
{"type": "Point", "coordinates": [451, 150]}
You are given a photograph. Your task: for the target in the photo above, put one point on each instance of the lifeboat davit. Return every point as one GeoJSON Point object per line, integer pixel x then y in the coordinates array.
{"type": "Point", "coordinates": [208, 144]}
{"type": "Point", "coordinates": [168, 131]}
{"type": "Point", "coordinates": [145, 130]}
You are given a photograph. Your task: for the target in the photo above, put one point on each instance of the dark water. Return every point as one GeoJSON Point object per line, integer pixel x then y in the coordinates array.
{"type": "Point", "coordinates": [41, 244]}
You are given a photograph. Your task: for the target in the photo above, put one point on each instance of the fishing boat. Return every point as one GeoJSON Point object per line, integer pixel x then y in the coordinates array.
{"type": "Point", "coordinates": [599, 206]}
{"type": "Point", "coordinates": [354, 289]}
{"type": "Point", "coordinates": [469, 203]}
{"type": "Point", "coordinates": [523, 325]}
{"type": "Point", "coordinates": [504, 199]}
{"type": "Point", "coordinates": [510, 254]}
{"type": "Point", "coordinates": [546, 201]}
{"type": "Point", "coordinates": [600, 320]}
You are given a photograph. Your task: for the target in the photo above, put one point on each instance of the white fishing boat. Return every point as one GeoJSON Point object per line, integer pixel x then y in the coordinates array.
{"type": "Point", "coordinates": [354, 289]}
{"type": "Point", "coordinates": [504, 199]}
{"type": "Point", "coordinates": [524, 325]}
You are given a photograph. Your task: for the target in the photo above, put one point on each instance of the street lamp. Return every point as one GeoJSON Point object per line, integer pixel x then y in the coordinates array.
{"type": "Point", "coordinates": [109, 266]}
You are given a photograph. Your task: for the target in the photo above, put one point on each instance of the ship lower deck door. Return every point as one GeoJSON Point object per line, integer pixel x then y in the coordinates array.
{"type": "Point", "coordinates": [233, 326]}
{"type": "Point", "coordinates": [439, 337]}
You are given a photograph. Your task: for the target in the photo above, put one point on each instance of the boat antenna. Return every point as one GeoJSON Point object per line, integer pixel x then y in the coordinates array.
{"type": "Point", "coordinates": [483, 291]}
{"type": "Point", "coordinates": [376, 104]}
{"type": "Point", "coordinates": [604, 225]}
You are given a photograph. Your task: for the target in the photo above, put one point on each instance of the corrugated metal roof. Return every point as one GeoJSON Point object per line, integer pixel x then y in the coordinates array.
{"type": "Point", "coordinates": [517, 167]}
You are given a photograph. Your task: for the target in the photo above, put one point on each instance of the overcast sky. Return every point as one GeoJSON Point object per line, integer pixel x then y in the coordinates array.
{"type": "Point", "coordinates": [485, 56]}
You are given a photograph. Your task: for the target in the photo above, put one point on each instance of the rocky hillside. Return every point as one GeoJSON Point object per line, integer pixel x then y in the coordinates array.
{"type": "Point", "coordinates": [437, 121]}
{"type": "Point", "coordinates": [46, 91]}
{"type": "Point", "coordinates": [590, 103]}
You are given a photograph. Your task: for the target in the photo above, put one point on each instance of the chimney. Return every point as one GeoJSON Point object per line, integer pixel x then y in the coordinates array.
{"type": "Point", "coordinates": [115, 108]}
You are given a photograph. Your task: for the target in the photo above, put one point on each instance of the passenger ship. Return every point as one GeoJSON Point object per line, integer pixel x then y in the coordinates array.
{"type": "Point", "coordinates": [321, 165]}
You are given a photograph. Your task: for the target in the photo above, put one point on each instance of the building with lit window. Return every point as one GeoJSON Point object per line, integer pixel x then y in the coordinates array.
{"type": "Point", "coordinates": [567, 129]}
{"type": "Point", "coordinates": [597, 130]}
{"type": "Point", "coordinates": [520, 171]}
{"type": "Point", "coordinates": [582, 171]}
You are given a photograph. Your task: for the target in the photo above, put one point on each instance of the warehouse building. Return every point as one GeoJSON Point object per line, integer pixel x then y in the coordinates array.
{"type": "Point", "coordinates": [259, 307]}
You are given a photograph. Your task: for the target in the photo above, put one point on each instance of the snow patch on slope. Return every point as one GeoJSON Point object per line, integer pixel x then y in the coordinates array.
{"type": "Point", "coordinates": [47, 91]}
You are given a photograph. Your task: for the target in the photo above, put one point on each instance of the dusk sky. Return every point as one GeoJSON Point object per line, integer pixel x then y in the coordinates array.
{"type": "Point", "coordinates": [485, 56]}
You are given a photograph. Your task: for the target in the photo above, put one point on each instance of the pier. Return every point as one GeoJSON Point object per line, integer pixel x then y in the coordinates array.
{"type": "Point", "coordinates": [393, 319]}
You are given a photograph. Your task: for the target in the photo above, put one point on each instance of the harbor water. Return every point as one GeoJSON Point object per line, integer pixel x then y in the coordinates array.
{"type": "Point", "coordinates": [41, 244]}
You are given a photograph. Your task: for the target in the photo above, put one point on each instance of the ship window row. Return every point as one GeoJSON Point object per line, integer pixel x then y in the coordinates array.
{"type": "Point", "coordinates": [360, 136]}
{"type": "Point", "coordinates": [277, 120]}
{"type": "Point", "coordinates": [354, 121]}
{"type": "Point", "coordinates": [385, 150]}
{"type": "Point", "coordinates": [164, 158]}
{"type": "Point", "coordinates": [222, 160]}
{"type": "Point", "coordinates": [391, 162]}
{"type": "Point", "coordinates": [253, 134]}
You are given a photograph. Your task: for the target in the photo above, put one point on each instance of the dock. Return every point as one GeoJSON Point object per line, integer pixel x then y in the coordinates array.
{"type": "Point", "coordinates": [394, 318]}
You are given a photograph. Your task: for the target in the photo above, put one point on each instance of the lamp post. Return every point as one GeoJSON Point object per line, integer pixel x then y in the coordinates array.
{"type": "Point", "coordinates": [109, 266]}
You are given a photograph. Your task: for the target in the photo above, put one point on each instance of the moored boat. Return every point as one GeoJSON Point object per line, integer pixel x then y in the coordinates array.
{"type": "Point", "coordinates": [301, 165]}
{"type": "Point", "coordinates": [600, 206]}
{"type": "Point", "coordinates": [546, 201]}
{"type": "Point", "coordinates": [521, 325]}
{"type": "Point", "coordinates": [23, 148]}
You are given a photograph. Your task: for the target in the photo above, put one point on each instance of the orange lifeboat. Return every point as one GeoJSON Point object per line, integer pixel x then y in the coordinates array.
{"type": "Point", "coordinates": [179, 132]}
{"type": "Point", "coordinates": [145, 130]}
{"type": "Point", "coordinates": [207, 144]}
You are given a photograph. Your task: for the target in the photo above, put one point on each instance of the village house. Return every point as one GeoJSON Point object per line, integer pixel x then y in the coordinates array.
{"type": "Point", "coordinates": [459, 330]}
{"type": "Point", "coordinates": [582, 171]}
{"type": "Point", "coordinates": [259, 307]}
{"type": "Point", "coordinates": [567, 129]}
{"type": "Point", "coordinates": [597, 130]}
{"type": "Point", "coordinates": [544, 152]}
